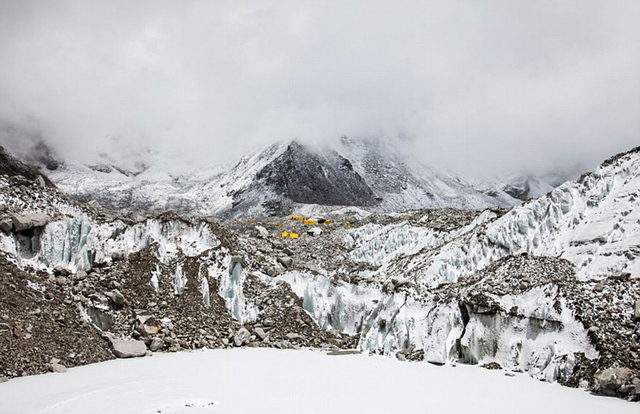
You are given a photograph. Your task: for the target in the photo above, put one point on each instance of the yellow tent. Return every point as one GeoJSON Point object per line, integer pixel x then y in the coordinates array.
{"type": "Point", "coordinates": [293, 235]}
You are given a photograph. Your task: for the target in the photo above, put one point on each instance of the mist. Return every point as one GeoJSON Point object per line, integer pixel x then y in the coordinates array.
{"type": "Point", "coordinates": [479, 87]}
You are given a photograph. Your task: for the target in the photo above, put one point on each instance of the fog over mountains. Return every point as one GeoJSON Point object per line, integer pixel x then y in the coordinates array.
{"type": "Point", "coordinates": [479, 89]}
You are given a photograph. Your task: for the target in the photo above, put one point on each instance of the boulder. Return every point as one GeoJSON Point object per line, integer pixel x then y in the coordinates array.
{"type": "Point", "coordinates": [3, 379]}
{"type": "Point", "coordinates": [147, 325]}
{"type": "Point", "coordinates": [6, 225]}
{"type": "Point", "coordinates": [260, 333]}
{"type": "Point", "coordinates": [285, 261]}
{"type": "Point", "coordinates": [241, 337]}
{"type": "Point", "coordinates": [156, 344]}
{"type": "Point", "coordinates": [29, 221]}
{"type": "Point", "coordinates": [612, 379]}
{"type": "Point", "coordinates": [57, 367]}
{"type": "Point", "coordinates": [80, 276]}
{"type": "Point", "coordinates": [61, 271]}
{"type": "Point", "coordinates": [636, 313]}
{"type": "Point", "coordinates": [116, 298]}
{"type": "Point", "coordinates": [127, 348]}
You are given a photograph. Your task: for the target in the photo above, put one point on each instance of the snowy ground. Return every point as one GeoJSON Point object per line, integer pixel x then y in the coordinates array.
{"type": "Point", "coordinates": [303, 382]}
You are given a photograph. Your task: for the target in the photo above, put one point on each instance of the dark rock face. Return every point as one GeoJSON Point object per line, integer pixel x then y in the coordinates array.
{"type": "Point", "coordinates": [14, 168]}
{"type": "Point", "coordinates": [519, 191]}
{"type": "Point", "coordinates": [327, 179]}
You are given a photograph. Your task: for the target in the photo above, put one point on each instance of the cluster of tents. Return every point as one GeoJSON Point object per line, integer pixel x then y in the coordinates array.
{"type": "Point", "coordinates": [314, 231]}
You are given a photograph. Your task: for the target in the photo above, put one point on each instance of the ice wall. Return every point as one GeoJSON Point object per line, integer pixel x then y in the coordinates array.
{"type": "Point", "coordinates": [537, 338]}
{"type": "Point", "coordinates": [231, 283]}
{"type": "Point", "coordinates": [76, 243]}
{"type": "Point", "coordinates": [594, 223]}
{"type": "Point", "coordinates": [378, 244]}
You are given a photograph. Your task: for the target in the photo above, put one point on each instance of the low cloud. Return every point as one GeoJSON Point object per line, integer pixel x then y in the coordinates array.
{"type": "Point", "coordinates": [480, 87]}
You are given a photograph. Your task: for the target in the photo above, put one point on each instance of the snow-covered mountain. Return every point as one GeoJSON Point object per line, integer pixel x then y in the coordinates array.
{"type": "Point", "coordinates": [283, 177]}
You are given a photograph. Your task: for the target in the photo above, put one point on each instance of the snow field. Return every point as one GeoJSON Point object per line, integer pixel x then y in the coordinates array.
{"type": "Point", "coordinates": [271, 381]}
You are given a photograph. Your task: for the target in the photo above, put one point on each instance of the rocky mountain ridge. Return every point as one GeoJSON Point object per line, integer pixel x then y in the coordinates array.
{"type": "Point", "coordinates": [286, 177]}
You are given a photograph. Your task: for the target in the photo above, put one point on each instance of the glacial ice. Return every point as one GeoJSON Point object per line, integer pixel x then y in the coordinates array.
{"type": "Point", "coordinates": [77, 243]}
{"type": "Point", "coordinates": [231, 291]}
{"type": "Point", "coordinates": [538, 340]}
{"type": "Point", "coordinates": [591, 223]}
{"type": "Point", "coordinates": [179, 280]}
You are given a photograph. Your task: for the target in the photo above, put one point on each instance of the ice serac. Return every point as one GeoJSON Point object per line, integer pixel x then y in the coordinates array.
{"type": "Point", "coordinates": [77, 243]}
{"type": "Point", "coordinates": [533, 331]}
{"type": "Point", "coordinates": [231, 290]}
{"type": "Point", "coordinates": [591, 222]}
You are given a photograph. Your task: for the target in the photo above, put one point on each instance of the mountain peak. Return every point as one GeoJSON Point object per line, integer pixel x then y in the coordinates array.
{"type": "Point", "coordinates": [309, 177]}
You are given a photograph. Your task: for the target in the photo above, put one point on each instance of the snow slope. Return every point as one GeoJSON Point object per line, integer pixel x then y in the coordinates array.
{"type": "Point", "coordinates": [404, 184]}
{"type": "Point", "coordinates": [281, 177]}
{"type": "Point", "coordinates": [276, 381]}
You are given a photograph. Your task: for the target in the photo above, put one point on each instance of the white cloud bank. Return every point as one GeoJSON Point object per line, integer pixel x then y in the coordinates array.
{"type": "Point", "coordinates": [480, 86]}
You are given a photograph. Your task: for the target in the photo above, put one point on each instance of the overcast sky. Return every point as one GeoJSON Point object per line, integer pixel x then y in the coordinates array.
{"type": "Point", "coordinates": [479, 86]}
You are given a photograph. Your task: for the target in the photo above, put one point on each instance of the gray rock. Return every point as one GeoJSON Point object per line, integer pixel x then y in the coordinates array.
{"type": "Point", "coordinates": [156, 344]}
{"type": "Point", "coordinates": [40, 182]}
{"type": "Point", "coordinates": [260, 333]}
{"type": "Point", "coordinates": [99, 299]}
{"type": "Point", "coordinates": [292, 335]}
{"type": "Point", "coordinates": [6, 225]}
{"type": "Point", "coordinates": [612, 379]}
{"type": "Point", "coordinates": [56, 367]}
{"type": "Point", "coordinates": [241, 337]}
{"type": "Point", "coordinates": [3, 379]}
{"type": "Point", "coordinates": [60, 270]}
{"type": "Point", "coordinates": [262, 232]}
{"type": "Point", "coordinates": [285, 261]}
{"type": "Point", "coordinates": [599, 287]}
{"type": "Point", "coordinates": [127, 348]}
{"type": "Point", "coordinates": [147, 325]}
{"type": "Point", "coordinates": [116, 298]}
{"type": "Point", "coordinates": [80, 276]}
{"type": "Point", "coordinates": [29, 221]}
{"type": "Point", "coordinates": [636, 313]}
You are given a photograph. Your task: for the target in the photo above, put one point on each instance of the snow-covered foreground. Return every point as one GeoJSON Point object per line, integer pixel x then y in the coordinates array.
{"type": "Point", "coordinates": [277, 381]}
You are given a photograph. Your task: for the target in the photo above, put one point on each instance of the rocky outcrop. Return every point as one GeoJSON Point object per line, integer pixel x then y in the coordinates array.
{"type": "Point", "coordinates": [313, 178]}
{"type": "Point", "coordinates": [20, 171]}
